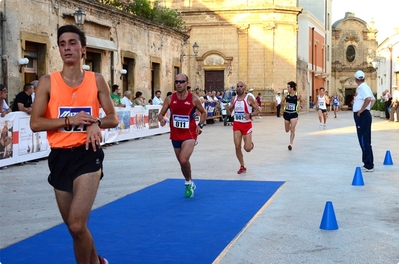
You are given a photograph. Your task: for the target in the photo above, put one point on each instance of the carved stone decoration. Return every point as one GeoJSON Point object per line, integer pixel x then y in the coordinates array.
{"type": "Point", "coordinates": [229, 71]}
{"type": "Point", "coordinates": [214, 60]}
{"type": "Point", "coordinates": [351, 36]}
{"type": "Point", "coordinates": [242, 28]}
{"type": "Point", "coordinates": [269, 26]}
{"type": "Point", "coordinates": [199, 70]}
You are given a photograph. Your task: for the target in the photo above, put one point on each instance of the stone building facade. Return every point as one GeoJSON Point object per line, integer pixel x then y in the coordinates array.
{"type": "Point", "coordinates": [386, 62]}
{"type": "Point", "coordinates": [150, 53]}
{"type": "Point", "coordinates": [354, 44]}
{"type": "Point", "coordinates": [251, 41]}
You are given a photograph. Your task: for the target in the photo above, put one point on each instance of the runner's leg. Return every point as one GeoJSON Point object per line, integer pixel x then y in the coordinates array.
{"type": "Point", "coordinates": [237, 144]}
{"type": "Point", "coordinates": [75, 209]}
{"type": "Point", "coordinates": [183, 155]}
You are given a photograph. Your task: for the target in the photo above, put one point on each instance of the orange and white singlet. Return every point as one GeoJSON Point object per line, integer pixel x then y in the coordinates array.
{"type": "Point", "coordinates": [67, 101]}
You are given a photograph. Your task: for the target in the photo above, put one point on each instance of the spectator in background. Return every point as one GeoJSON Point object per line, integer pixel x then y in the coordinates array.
{"type": "Point", "coordinates": [116, 97]}
{"type": "Point", "coordinates": [259, 102]}
{"type": "Point", "coordinates": [189, 88]}
{"type": "Point", "coordinates": [157, 100]}
{"type": "Point", "coordinates": [251, 93]}
{"type": "Point", "coordinates": [208, 96]}
{"type": "Point", "coordinates": [386, 96]}
{"type": "Point", "coordinates": [150, 102]}
{"type": "Point", "coordinates": [126, 100]}
{"type": "Point", "coordinates": [363, 101]}
{"type": "Point", "coordinates": [214, 97]}
{"type": "Point", "coordinates": [34, 83]}
{"type": "Point", "coordinates": [139, 99]}
{"type": "Point", "coordinates": [219, 95]}
{"type": "Point", "coordinates": [5, 109]}
{"type": "Point", "coordinates": [328, 104]}
{"type": "Point", "coordinates": [394, 104]}
{"type": "Point", "coordinates": [197, 92]}
{"type": "Point", "coordinates": [23, 101]}
{"type": "Point", "coordinates": [278, 103]}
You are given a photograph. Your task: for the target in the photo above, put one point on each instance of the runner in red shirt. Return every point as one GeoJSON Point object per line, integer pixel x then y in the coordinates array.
{"type": "Point", "coordinates": [242, 105]}
{"type": "Point", "coordinates": [183, 128]}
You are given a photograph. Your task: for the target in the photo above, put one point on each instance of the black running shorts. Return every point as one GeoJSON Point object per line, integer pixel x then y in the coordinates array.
{"type": "Point", "coordinates": [67, 164]}
{"type": "Point", "coordinates": [289, 116]}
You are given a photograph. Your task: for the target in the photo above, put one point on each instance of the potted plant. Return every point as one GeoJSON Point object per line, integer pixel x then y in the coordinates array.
{"type": "Point", "coordinates": [373, 109]}
{"type": "Point", "coordinates": [382, 108]}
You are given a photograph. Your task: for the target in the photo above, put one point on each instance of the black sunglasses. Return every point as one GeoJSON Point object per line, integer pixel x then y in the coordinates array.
{"type": "Point", "coordinates": [180, 81]}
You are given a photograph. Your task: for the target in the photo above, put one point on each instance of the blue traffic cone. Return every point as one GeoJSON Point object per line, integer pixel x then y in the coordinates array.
{"type": "Point", "coordinates": [329, 222]}
{"type": "Point", "coordinates": [388, 158]}
{"type": "Point", "coordinates": [358, 177]}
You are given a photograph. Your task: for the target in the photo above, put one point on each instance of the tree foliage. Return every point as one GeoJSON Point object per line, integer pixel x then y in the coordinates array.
{"type": "Point", "coordinates": [152, 11]}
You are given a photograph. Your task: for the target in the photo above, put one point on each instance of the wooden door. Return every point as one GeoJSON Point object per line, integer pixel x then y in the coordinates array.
{"type": "Point", "coordinates": [214, 81]}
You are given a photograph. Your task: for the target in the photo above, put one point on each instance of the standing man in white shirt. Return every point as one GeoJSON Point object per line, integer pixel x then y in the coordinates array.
{"type": "Point", "coordinates": [278, 103]}
{"type": "Point", "coordinates": [363, 101]}
{"type": "Point", "coordinates": [394, 105]}
{"type": "Point", "coordinates": [157, 100]}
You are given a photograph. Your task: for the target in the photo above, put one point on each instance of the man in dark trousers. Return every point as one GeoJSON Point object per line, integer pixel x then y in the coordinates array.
{"type": "Point", "coordinates": [362, 103]}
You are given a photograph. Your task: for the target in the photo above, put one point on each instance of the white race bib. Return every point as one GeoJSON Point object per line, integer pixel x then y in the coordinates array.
{"type": "Point", "coordinates": [291, 107]}
{"type": "Point", "coordinates": [239, 115]}
{"type": "Point", "coordinates": [181, 121]}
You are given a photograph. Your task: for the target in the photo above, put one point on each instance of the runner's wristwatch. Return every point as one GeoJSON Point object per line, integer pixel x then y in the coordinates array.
{"type": "Point", "coordinates": [201, 125]}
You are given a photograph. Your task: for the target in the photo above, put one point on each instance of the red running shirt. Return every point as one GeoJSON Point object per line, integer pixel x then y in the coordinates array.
{"type": "Point", "coordinates": [182, 122]}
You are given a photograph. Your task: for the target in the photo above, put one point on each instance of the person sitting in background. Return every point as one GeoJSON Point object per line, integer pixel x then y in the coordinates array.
{"type": "Point", "coordinates": [23, 101]}
{"type": "Point", "coordinates": [5, 109]}
{"type": "Point", "coordinates": [150, 102]}
{"type": "Point", "coordinates": [126, 99]}
{"type": "Point", "coordinates": [139, 99]}
{"type": "Point", "coordinates": [116, 97]}
{"type": "Point", "coordinates": [34, 83]}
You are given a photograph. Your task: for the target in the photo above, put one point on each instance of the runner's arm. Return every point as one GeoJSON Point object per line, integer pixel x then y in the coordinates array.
{"type": "Point", "coordinates": [38, 121]}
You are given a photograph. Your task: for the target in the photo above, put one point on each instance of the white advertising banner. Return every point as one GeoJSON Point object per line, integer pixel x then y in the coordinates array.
{"type": "Point", "coordinates": [18, 143]}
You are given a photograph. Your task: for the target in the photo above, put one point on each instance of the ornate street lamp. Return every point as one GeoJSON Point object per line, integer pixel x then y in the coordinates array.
{"type": "Point", "coordinates": [79, 16]}
{"type": "Point", "coordinates": [195, 49]}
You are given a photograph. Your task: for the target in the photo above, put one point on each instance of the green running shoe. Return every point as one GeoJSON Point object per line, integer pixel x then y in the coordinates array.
{"type": "Point", "coordinates": [190, 190]}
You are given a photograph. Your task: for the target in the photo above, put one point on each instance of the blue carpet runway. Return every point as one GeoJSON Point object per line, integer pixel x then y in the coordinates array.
{"type": "Point", "coordinates": [157, 225]}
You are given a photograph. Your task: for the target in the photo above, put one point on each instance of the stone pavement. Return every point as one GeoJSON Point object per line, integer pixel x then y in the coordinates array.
{"type": "Point", "coordinates": [320, 168]}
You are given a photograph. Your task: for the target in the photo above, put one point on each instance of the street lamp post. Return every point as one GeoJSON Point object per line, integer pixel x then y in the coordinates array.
{"type": "Point", "coordinates": [195, 51]}
{"type": "Point", "coordinates": [80, 17]}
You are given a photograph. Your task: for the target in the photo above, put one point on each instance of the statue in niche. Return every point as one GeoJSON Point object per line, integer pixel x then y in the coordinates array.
{"type": "Point", "coordinates": [199, 70]}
